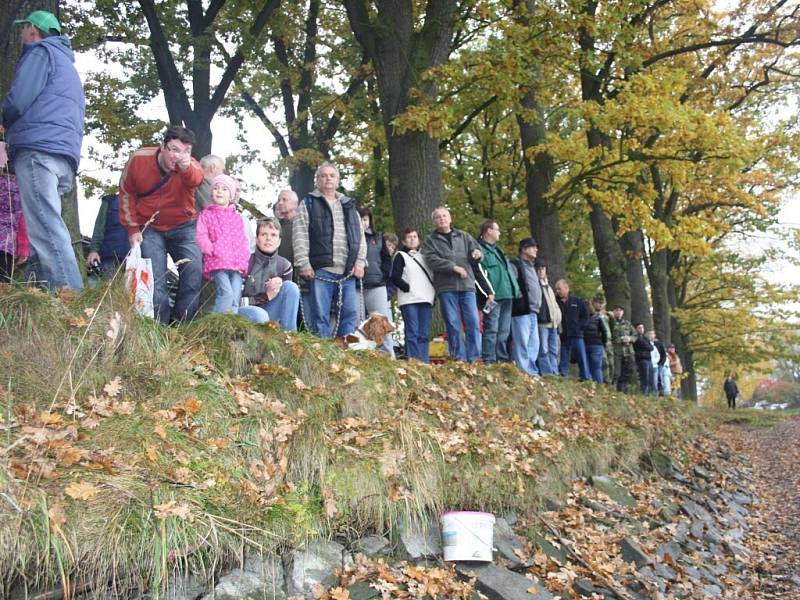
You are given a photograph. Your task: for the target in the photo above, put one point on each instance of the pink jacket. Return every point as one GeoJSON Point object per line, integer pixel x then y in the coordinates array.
{"type": "Point", "coordinates": [222, 239]}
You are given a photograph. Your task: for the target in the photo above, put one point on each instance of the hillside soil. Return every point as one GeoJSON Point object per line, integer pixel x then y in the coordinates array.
{"type": "Point", "coordinates": [774, 456]}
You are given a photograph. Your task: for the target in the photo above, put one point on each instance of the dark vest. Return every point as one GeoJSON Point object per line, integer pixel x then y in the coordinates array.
{"type": "Point", "coordinates": [115, 238]}
{"type": "Point", "coordinates": [373, 274]}
{"type": "Point", "coordinates": [520, 305]}
{"type": "Point", "coordinates": [320, 232]}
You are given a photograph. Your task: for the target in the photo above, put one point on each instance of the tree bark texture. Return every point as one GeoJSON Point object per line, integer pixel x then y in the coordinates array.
{"type": "Point", "coordinates": [658, 272]}
{"type": "Point", "coordinates": [401, 54]}
{"type": "Point", "coordinates": [632, 245]}
{"type": "Point", "coordinates": [545, 222]}
{"type": "Point", "coordinates": [689, 382]}
{"type": "Point", "coordinates": [10, 43]}
{"type": "Point", "coordinates": [610, 259]}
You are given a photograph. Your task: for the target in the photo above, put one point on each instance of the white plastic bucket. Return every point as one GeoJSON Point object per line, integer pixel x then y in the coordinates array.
{"type": "Point", "coordinates": [468, 536]}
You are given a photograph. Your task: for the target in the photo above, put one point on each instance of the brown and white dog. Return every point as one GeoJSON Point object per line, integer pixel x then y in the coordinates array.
{"type": "Point", "coordinates": [370, 333]}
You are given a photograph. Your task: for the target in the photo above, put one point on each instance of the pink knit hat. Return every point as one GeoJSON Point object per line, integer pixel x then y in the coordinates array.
{"type": "Point", "coordinates": [228, 181]}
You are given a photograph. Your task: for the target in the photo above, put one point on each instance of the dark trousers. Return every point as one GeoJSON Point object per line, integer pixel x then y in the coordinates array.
{"type": "Point", "coordinates": [643, 365]}
{"type": "Point", "coordinates": [732, 401]}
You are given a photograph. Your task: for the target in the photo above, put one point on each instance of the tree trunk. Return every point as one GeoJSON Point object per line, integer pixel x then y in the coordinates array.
{"type": "Point", "coordinates": [415, 180]}
{"type": "Point", "coordinates": [401, 54]}
{"type": "Point", "coordinates": [10, 43]}
{"type": "Point", "coordinates": [545, 222]}
{"type": "Point", "coordinates": [302, 179]}
{"type": "Point", "coordinates": [662, 312]}
{"type": "Point", "coordinates": [611, 261]}
{"type": "Point", "coordinates": [689, 382]}
{"type": "Point", "coordinates": [201, 126]}
{"type": "Point", "coordinates": [632, 245]}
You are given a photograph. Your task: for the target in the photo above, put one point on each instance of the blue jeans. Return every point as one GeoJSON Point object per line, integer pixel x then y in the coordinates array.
{"type": "Point", "coordinates": [43, 178]}
{"type": "Point", "coordinates": [652, 380]}
{"type": "Point", "coordinates": [496, 329]}
{"type": "Point", "coordinates": [458, 307]}
{"type": "Point", "coordinates": [228, 284]}
{"type": "Point", "coordinates": [548, 350]}
{"type": "Point", "coordinates": [283, 307]}
{"type": "Point", "coordinates": [179, 242]}
{"type": "Point", "coordinates": [595, 356]}
{"type": "Point", "coordinates": [417, 319]}
{"type": "Point", "coordinates": [325, 287]}
{"type": "Point", "coordinates": [643, 366]}
{"type": "Point", "coordinates": [525, 342]}
{"type": "Point", "coordinates": [574, 346]}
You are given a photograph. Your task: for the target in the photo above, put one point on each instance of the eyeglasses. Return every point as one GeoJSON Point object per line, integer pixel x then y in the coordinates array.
{"type": "Point", "coordinates": [178, 150]}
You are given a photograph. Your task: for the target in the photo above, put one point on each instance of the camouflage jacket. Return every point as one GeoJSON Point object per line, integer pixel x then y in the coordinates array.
{"type": "Point", "coordinates": [620, 329]}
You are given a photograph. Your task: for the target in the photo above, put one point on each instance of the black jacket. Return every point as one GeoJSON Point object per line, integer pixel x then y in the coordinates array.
{"type": "Point", "coordinates": [379, 263]}
{"type": "Point", "coordinates": [594, 334]}
{"type": "Point", "coordinates": [642, 347]}
{"type": "Point", "coordinates": [662, 352]}
{"type": "Point", "coordinates": [574, 315]}
{"type": "Point", "coordinates": [730, 387]}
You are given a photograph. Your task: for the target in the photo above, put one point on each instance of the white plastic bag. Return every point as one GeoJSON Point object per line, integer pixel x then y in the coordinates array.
{"type": "Point", "coordinates": [139, 279]}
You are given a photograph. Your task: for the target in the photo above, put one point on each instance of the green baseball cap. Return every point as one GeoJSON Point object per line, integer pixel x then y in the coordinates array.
{"type": "Point", "coordinates": [41, 19]}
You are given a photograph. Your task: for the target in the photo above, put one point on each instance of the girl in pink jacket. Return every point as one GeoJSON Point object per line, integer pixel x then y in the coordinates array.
{"type": "Point", "coordinates": [222, 237]}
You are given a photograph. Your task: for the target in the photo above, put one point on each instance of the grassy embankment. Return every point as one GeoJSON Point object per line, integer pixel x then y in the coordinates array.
{"type": "Point", "coordinates": [131, 451]}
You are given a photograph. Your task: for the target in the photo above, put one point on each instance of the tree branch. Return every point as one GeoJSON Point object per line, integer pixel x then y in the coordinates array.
{"type": "Point", "coordinates": [309, 58]}
{"type": "Point", "coordinates": [466, 122]}
{"type": "Point", "coordinates": [175, 96]}
{"type": "Point", "coordinates": [257, 110]}
{"type": "Point", "coordinates": [238, 59]}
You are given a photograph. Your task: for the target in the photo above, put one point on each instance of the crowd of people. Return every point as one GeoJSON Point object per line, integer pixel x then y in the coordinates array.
{"type": "Point", "coordinates": [320, 262]}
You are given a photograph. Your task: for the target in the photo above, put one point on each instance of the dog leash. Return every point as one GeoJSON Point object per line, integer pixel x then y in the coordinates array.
{"type": "Point", "coordinates": [340, 301]}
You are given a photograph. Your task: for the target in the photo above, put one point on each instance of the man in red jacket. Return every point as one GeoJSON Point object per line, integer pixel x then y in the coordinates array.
{"type": "Point", "coordinates": [157, 207]}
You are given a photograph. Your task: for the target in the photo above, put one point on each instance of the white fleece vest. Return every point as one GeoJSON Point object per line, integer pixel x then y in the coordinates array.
{"type": "Point", "coordinates": [420, 288]}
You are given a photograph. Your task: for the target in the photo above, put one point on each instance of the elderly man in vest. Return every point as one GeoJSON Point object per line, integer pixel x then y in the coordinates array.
{"type": "Point", "coordinates": [330, 253]}
{"type": "Point", "coordinates": [43, 119]}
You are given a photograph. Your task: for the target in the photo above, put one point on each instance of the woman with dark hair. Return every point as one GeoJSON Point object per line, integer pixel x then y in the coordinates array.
{"type": "Point", "coordinates": [376, 275]}
{"type": "Point", "coordinates": [415, 294]}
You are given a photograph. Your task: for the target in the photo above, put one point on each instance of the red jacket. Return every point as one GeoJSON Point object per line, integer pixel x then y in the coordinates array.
{"type": "Point", "coordinates": [173, 201]}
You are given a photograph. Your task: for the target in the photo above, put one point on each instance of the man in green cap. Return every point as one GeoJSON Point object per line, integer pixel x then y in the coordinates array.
{"type": "Point", "coordinates": [43, 117]}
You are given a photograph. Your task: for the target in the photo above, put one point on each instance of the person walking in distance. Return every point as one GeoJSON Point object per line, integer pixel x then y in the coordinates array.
{"type": "Point", "coordinates": [731, 391]}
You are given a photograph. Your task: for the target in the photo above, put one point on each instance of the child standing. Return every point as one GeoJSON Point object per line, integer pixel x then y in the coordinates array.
{"type": "Point", "coordinates": [13, 238]}
{"type": "Point", "coordinates": [222, 237]}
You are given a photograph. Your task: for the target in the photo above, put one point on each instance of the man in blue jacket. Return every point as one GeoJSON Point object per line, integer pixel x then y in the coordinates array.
{"type": "Point", "coordinates": [574, 314]}
{"type": "Point", "coordinates": [43, 119]}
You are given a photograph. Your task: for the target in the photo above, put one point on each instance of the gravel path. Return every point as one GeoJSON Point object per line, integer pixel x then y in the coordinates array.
{"type": "Point", "coordinates": [774, 455]}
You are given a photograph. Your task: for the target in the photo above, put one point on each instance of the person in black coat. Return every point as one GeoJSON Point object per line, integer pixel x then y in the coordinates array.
{"type": "Point", "coordinates": [643, 349]}
{"type": "Point", "coordinates": [574, 316]}
{"type": "Point", "coordinates": [731, 391]}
